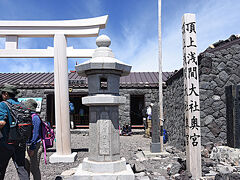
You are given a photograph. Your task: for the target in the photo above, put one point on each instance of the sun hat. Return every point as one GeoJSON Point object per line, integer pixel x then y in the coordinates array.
{"type": "Point", "coordinates": [31, 104]}
{"type": "Point", "coordinates": [10, 89]}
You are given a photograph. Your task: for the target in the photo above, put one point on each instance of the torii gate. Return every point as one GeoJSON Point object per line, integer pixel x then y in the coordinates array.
{"type": "Point", "coordinates": [60, 30]}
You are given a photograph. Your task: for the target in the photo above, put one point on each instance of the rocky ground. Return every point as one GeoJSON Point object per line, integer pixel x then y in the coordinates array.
{"type": "Point", "coordinates": [218, 162]}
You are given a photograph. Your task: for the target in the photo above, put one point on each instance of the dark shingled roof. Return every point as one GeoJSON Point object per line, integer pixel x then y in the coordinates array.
{"type": "Point", "coordinates": [223, 44]}
{"type": "Point", "coordinates": [46, 80]}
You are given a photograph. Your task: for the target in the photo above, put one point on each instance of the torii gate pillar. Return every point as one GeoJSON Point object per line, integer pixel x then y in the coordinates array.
{"type": "Point", "coordinates": [63, 144]}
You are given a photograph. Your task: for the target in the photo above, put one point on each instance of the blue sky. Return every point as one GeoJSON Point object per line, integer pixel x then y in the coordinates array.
{"type": "Point", "coordinates": [132, 27]}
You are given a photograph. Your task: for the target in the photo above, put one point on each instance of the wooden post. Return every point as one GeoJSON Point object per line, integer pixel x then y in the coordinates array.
{"type": "Point", "coordinates": [63, 141]}
{"type": "Point", "coordinates": [191, 96]}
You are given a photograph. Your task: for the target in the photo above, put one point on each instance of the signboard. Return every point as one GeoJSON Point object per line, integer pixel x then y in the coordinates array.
{"type": "Point", "coordinates": [38, 100]}
{"type": "Point", "coordinates": [191, 96]}
{"type": "Point", "coordinates": [76, 81]}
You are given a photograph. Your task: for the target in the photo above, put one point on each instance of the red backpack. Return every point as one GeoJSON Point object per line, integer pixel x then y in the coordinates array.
{"type": "Point", "coordinates": [47, 136]}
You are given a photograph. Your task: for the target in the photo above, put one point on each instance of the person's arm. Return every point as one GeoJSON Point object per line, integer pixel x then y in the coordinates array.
{"type": "Point", "coordinates": [3, 114]}
{"type": "Point", "coordinates": [2, 124]}
{"type": "Point", "coordinates": [36, 126]}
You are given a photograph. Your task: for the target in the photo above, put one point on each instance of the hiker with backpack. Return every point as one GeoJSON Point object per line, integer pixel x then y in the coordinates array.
{"type": "Point", "coordinates": [12, 145]}
{"type": "Point", "coordinates": [34, 147]}
{"type": "Point", "coordinates": [148, 131]}
{"type": "Point", "coordinates": [43, 137]}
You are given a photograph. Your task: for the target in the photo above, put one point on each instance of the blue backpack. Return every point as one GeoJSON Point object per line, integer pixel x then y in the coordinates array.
{"type": "Point", "coordinates": [165, 136]}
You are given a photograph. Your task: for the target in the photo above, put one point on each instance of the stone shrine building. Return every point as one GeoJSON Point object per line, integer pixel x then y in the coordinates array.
{"type": "Point", "coordinates": [140, 89]}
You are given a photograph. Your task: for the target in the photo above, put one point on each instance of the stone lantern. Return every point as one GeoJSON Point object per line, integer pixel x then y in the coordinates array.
{"type": "Point", "coordinates": [103, 72]}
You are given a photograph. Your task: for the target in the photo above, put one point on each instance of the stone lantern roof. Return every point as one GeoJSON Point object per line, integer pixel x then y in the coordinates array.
{"type": "Point", "coordinates": [103, 59]}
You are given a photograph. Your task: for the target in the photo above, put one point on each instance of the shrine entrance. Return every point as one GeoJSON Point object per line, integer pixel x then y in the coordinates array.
{"type": "Point", "coordinates": [80, 115]}
{"type": "Point", "coordinates": [136, 107]}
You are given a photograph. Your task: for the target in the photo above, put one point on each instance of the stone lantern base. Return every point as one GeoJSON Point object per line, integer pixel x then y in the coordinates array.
{"type": "Point", "coordinates": [92, 170]}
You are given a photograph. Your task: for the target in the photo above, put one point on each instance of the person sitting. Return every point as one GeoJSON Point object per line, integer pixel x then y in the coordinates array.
{"type": "Point", "coordinates": [126, 130]}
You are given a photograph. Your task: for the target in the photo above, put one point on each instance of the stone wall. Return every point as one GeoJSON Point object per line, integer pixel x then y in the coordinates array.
{"type": "Point", "coordinates": [150, 96]}
{"type": "Point", "coordinates": [218, 68]}
{"type": "Point", "coordinates": [173, 108]}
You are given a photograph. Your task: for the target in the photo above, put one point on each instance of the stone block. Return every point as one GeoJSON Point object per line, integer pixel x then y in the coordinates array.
{"type": "Point", "coordinates": [226, 154]}
{"type": "Point", "coordinates": [140, 156]}
{"type": "Point", "coordinates": [104, 167]}
{"type": "Point", "coordinates": [138, 167]}
{"type": "Point", "coordinates": [223, 76]}
{"type": "Point", "coordinates": [142, 178]}
{"type": "Point", "coordinates": [56, 158]}
{"type": "Point", "coordinates": [227, 176]}
{"type": "Point", "coordinates": [107, 171]}
{"type": "Point", "coordinates": [209, 119]}
{"type": "Point", "coordinates": [68, 172]}
{"type": "Point", "coordinates": [103, 100]}
{"type": "Point", "coordinates": [149, 154]}
{"type": "Point", "coordinates": [155, 147]}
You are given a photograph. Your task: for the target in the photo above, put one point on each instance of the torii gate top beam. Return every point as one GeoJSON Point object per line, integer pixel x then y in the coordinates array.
{"type": "Point", "coordinates": [12, 30]}
{"type": "Point", "coordinates": [71, 28]}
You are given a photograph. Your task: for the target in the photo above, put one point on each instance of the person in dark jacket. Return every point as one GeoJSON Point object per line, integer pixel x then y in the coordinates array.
{"type": "Point", "coordinates": [34, 148]}
{"type": "Point", "coordinates": [10, 149]}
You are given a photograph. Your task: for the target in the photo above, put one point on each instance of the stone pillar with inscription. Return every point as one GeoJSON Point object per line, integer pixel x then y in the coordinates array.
{"type": "Point", "coordinates": [103, 72]}
{"type": "Point", "coordinates": [155, 146]}
{"type": "Point", "coordinates": [191, 96]}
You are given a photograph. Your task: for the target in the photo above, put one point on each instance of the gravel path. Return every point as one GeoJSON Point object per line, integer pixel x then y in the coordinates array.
{"type": "Point", "coordinates": [129, 147]}
{"type": "Point", "coordinates": [157, 168]}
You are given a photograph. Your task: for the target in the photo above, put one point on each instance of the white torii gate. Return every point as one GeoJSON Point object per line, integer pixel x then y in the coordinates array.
{"type": "Point", "coordinates": [60, 30]}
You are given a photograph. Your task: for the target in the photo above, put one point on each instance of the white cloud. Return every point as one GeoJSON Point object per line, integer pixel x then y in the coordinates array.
{"type": "Point", "coordinates": [147, 58]}
{"type": "Point", "coordinates": [172, 51]}
{"type": "Point", "coordinates": [36, 66]}
{"type": "Point", "coordinates": [217, 21]}
{"type": "Point", "coordinates": [94, 7]}
{"type": "Point", "coordinates": [35, 43]}
{"type": "Point", "coordinates": [85, 9]}
{"type": "Point", "coordinates": [136, 45]}
{"type": "Point", "coordinates": [26, 65]}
